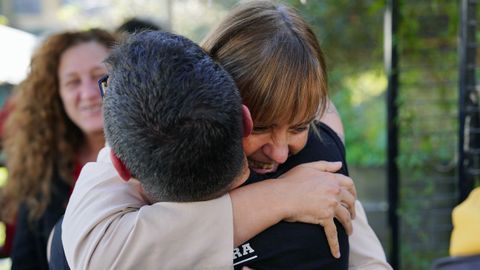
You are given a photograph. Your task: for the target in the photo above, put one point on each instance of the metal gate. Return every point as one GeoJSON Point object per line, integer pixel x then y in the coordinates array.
{"type": "Point", "coordinates": [469, 127]}
{"type": "Point", "coordinates": [423, 128]}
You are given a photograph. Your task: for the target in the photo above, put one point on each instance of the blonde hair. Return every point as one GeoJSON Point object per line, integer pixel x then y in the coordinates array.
{"type": "Point", "coordinates": [275, 59]}
{"type": "Point", "coordinates": [40, 139]}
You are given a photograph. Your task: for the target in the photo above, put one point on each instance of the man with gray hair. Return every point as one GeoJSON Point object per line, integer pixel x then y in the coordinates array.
{"type": "Point", "coordinates": [175, 120]}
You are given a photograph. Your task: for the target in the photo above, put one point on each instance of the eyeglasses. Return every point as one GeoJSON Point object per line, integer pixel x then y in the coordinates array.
{"type": "Point", "coordinates": [102, 85]}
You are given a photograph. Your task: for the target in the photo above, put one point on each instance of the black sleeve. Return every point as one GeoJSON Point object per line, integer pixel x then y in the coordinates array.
{"type": "Point", "coordinates": [30, 241]}
{"type": "Point", "coordinates": [26, 252]}
{"type": "Point", "coordinates": [58, 261]}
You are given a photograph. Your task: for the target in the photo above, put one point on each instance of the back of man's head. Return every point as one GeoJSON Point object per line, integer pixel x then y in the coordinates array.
{"type": "Point", "coordinates": [173, 116]}
{"type": "Point", "coordinates": [135, 25]}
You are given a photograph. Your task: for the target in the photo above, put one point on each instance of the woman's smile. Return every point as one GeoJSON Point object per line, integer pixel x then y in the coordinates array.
{"type": "Point", "coordinates": [262, 167]}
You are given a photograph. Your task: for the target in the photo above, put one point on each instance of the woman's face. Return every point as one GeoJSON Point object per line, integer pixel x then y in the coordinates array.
{"type": "Point", "coordinates": [269, 146]}
{"type": "Point", "coordinates": [79, 71]}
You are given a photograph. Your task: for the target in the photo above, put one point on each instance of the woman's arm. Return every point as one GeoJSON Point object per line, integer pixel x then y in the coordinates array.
{"type": "Point", "coordinates": [297, 196]}
{"type": "Point", "coordinates": [332, 119]}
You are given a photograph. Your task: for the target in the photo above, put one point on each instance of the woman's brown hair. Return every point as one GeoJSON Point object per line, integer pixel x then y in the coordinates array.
{"type": "Point", "coordinates": [40, 139]}
{"type": "Point", "coordinates": [275, 59]}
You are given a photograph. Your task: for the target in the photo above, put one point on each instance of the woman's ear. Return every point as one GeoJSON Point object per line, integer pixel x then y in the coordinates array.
{"type": "Point", "coordinates": [120, 167]}
{"type": "Point", "coordinates": [247, 121]}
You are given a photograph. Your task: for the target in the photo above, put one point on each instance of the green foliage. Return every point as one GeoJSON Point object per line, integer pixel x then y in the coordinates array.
{"type": "Point", "coordinates": [364, 118]}
{"type": "Point", "coordinates": [427, 42]}
{"type": "Point", "coordinates": [427, 24]}
{"type": "Point", "coordinates": [350, 33]}
{"type": "Point", "coordinates": [3, 20]}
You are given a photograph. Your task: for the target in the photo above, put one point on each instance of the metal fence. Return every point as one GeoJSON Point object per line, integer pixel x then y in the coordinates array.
{"type": "Point", "coordinates": [469, 128]}
{"type": "Point", "coordinates": [422, 52]}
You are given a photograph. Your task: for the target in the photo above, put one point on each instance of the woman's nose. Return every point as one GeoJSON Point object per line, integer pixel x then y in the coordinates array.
{"type": "Point", "coordinates": [90, 89]}
{"type": "Point", "coordinates": [277, 151]}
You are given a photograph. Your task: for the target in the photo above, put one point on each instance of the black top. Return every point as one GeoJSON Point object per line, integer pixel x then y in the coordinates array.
{"type": "Point", "coordinates": [30, 241]}
{"type": "Point", "coordinates": [58, 260]}
{"type": "Point", "coordinates": [298, 245]}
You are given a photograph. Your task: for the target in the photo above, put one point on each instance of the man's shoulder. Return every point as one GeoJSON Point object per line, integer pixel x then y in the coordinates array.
{"type": "Point", "coordinates": [99, 198]}
{"type": "Point", "coordinates": [98, 171]}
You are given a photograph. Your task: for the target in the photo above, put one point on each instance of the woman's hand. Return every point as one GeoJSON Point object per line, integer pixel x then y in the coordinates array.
{"type": "Point", "coordinates": [313, 180]}
{"type": "Point", "coordinates": [308, 193]}
{"type": "Point", "coordinates": [316, 195]}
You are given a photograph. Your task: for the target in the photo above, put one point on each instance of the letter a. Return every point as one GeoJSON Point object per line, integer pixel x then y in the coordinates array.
{"type": "Point", "coordinates": [246, 249]}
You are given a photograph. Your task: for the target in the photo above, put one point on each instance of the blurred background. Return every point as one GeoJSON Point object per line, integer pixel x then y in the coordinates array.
{"type": "Point", "coordinates": [401, 73]}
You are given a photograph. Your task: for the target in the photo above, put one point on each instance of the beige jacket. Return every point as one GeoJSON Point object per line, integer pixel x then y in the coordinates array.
{"type": "Point", "coordinates": [366, 252]}
{"type": "Point", "coordinates": [107, 226]}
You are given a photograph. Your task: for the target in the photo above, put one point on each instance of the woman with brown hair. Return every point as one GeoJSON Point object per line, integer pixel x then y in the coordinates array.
{"type": "Point", "coordinates": [56, 126]}
{"type": "Point", "coordinates": [279, 68]}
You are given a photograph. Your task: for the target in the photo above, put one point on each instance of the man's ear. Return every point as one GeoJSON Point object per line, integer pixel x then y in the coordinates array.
{"type": "Point", "coordinates": [247, 121]}
{"type": "Point", "coordinates": [120, 167]}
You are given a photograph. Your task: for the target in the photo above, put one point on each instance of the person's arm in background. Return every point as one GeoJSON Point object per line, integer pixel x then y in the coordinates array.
{"type": "Point", "coordinates": [366, 251]}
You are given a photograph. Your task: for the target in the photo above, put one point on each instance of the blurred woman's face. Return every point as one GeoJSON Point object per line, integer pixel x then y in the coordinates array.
{"type": "Point", "coordinates": [79, 71]}
{"type": "Point", "coordinates": [269, 146]}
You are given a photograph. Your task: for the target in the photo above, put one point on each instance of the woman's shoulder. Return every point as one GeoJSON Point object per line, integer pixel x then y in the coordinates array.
{"type": "Point", "coordinates": [332, 119]}
{"type": "Point", "coordinates": [326, 133]}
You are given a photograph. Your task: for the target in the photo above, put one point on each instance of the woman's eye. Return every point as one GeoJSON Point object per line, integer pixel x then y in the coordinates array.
{"type": "Point", "coordinates": [260, 129]}
{"type": "Point", "coordinates": [72, 83]}
{"type": "Point", "coordinates": [299, 129]}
